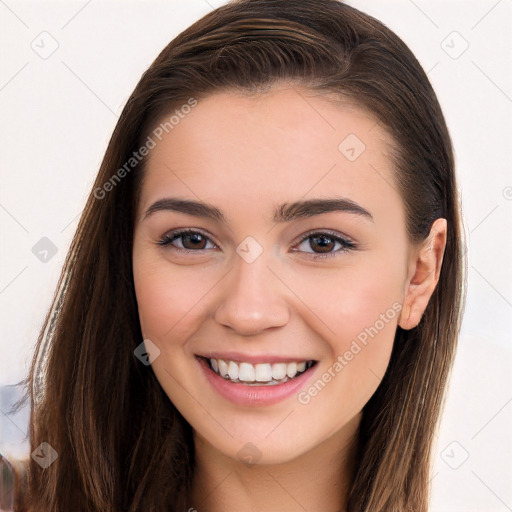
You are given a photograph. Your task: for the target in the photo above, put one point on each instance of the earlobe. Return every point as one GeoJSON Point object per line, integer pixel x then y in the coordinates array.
{"type": "Point", "coordinates": [426, 266]}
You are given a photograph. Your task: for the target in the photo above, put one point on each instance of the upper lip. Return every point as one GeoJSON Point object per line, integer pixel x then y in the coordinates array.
{"type": "Point", "coordinates": [239, 357]}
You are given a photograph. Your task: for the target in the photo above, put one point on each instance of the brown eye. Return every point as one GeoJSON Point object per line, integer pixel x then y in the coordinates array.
{"type": "Point", "coordinates": [323, 243]}
{"type": "Point", "coordinates": [186, 241]}
{"type": "Point", "coordinates": [193, 241]}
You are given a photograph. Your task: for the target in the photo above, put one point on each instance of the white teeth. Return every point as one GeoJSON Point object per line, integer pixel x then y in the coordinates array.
{"type": "Point", "coordinates": [233, 370]}
{"type": "Point", "coordinates": [223, 367]}
{"type": "Point", "coordinates": [271, 374]}
{"type": "Point", "coordinates": [291, 370]}
{"type": "Point", "coordinates": [247, 372]}
{"type": "Point", "coordinates": [279, 371]}
{"type": "Point", "coordinates": [263, 372]}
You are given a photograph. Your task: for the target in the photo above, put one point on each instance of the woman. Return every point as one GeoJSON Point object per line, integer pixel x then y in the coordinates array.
{"type": "Point", "coordinates": [260, 307]}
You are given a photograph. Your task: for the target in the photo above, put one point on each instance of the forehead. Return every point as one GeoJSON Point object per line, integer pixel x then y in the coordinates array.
{"type": "Point", "coordinates": [279, 146]}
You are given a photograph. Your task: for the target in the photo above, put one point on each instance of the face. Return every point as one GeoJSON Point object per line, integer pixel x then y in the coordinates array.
{"type": "Point", "coordinates": [270, 246]}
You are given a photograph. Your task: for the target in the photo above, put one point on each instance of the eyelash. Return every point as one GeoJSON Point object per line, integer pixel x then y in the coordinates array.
{"type": "Point", "coordinates": [347, 245]}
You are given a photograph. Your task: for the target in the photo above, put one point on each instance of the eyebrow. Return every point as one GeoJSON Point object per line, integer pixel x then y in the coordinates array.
{"type": "Point", "coordinates": [285, 212]}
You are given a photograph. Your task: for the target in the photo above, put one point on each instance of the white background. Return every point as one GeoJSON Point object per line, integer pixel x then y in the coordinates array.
{"type": "Point", "coordinates": [57, 114]}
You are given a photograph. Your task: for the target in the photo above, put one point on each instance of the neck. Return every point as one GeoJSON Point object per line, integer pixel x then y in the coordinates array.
{"type": "Point", "coordinates": [318, 480]}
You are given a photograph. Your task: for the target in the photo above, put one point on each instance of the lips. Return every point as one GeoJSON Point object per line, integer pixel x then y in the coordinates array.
{"type": "Point", "coordinates": [257, 390]}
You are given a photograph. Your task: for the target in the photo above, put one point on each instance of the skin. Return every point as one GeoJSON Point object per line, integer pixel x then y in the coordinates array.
{"type": "Point", "coordinates": [245, 155]}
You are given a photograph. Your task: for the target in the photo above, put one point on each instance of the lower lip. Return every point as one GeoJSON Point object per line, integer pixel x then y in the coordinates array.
{"type": "Point", "coordinates": [242, 394]}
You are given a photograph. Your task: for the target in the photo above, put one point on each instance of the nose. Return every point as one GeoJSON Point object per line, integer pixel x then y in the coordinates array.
{"type": "Point", "coordinates": [252, 299]}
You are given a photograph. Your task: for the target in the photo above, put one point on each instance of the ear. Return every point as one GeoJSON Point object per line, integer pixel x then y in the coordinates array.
{"type": "Point", "coordinates": [425, 268]}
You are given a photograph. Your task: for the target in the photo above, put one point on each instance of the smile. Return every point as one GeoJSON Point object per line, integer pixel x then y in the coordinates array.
{"type": "Point", "coordinates": [269, 374]}
{"type": "Point", "coordinates": [252, 381]}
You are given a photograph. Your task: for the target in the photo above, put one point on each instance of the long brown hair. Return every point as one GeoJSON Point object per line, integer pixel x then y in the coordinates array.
{"type": "Point", "coordinates": [121, 443]}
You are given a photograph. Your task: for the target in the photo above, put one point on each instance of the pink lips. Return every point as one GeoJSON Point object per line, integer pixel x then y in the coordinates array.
{"type": "Point", "coordinates": [251, 396]}
{"type": "Point", "coordinates": [264, 358]}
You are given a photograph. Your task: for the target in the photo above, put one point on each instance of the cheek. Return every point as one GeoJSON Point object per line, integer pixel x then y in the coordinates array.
{"type": "Point", "coordinates": [354, 299]}
{"type": "Point", "coordinates": [168, 300]}
{"type": "Point", "coordinates": [361, 308]}
{"type": "Point", "coordinates": [169, 305]}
